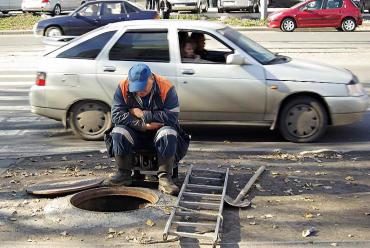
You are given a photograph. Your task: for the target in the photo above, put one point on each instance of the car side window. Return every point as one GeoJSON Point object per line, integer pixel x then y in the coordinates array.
{"type": "Point", "coordinates": [334, 4]}
{"type": "Point", "coordinates": [129, 8]}
{"type": "Point", "coordinates": [111, 9]}
{"type": "Point", "coordinates": [141, 46]}
{"type": "Point", "coordinates": [202, 48]}
{"type": "Point", "coordinates": [89, 49]}
{"type": "Point", "coordinates": [90, 10]}
{"type": "Point", "coordinates": [314, 5]}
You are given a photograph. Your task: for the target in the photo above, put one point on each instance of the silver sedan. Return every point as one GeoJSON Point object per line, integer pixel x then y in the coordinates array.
{"type": "Point", "coordinates": [236, 82]}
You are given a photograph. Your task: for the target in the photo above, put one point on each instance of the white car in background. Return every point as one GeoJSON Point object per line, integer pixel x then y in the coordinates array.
{"type": "Point", "coordinates": [55, 7]}
{"type": "Point", "coordinates": [195, 6]}
{"type": "Point", "coordinates": [237, 81]}
{"type": "Point", "coordinates": [10, 5]}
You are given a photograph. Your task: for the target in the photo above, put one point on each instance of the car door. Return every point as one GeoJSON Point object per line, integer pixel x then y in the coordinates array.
{"type": "Point", "coordinates": [332, 12]}
{"type": "Point", "coordinates": [112, 12]}
{"type": "Point", "coordinates": [133, 46]}
{"type": "Point", "coordinates": [211, 90]}
{"type": "Point", "coordinates": [85, 19]}
{"type": "Point", "coordinates": [310, 15]}
{"type": "Point", "coordinates": [15, 4]}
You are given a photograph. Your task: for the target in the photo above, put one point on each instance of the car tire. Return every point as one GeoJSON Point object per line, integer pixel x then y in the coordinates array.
{"type": "Point", "coordinates": [303, 119]}
{"type": "Point", "coordinates": [256, 8]}
{"type": "Point", "coordinates": [5, 12]}
{"type": "Point", "coordinates": [348, 25]}
{"type": "Point", "coordinates": [57, 10]}
{"type": "Point", "coordinates": [288, 25]}
{"type": "Point", "coordinates": [90, 119]}
{"type": "Point", "coordinates": [220, 10]}
{"type": "Point", "coordinates": [53, 32]}
{"type": "Point", "coordinates": [339, 29]}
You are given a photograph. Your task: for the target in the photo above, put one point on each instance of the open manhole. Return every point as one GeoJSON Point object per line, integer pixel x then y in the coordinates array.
{"type": "Point", "coordinates": [120, 199]}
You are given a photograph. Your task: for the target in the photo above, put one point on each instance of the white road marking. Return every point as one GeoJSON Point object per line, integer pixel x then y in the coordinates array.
{"type": "Point", "coordinates": [17, 83]}
{"type": "Point", "coordinates": [15, 108]}
{"type": "Point", "coordinates": [15, 90]}
{"type": "Point", "coordinates": [14, 98]}
{"type": "Point", "coordinates": [17, 76]}
{"type": "Point", "coordinates": [33, 131]}
{"type": "Point", "coordinates": [25, 119]}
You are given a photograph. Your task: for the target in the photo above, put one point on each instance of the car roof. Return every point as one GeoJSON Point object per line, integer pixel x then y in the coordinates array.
{"type": "Point", "coordinates": [166, 23]}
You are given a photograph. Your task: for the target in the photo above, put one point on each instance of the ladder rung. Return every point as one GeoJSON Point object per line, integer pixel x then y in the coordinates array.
{"type": "Point", "coordinates": [202, 186]}
{"type": "Point", "coordinates": [201, 194]}
{"type": "Point", "coordinates": [198, 213]}
{"type": "Point", "coordinates": [206, 178]}
{"type": "Point", "coordinates": [214, 171]}
{"type": "Point", "coordinates": [214, 206]}
{"type": "Point", "coordinates": [193, 235]}
{"type": "Point", "coordinates": [194, 224]}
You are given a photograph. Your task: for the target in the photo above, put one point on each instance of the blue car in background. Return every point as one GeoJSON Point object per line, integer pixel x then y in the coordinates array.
{"type": "Point", "coordinates": [92, 15]}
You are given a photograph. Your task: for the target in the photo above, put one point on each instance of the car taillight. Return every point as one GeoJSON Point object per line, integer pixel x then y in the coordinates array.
{"type": "Point", "coordinates": [45, 1]}
{"type": "Point", "coordinates": [41, 79]}
{"type": "Point", "coordinates": [156, 16]}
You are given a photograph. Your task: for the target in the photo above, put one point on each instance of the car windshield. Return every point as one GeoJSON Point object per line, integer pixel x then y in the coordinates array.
{"type": "Point", "coordinates": [249, 46]}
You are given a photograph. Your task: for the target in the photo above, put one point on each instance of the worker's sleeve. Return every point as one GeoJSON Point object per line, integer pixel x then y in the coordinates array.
{"type": "Point", "coordinates": [121, 113]}
{"type": "Point", "coordinates": [169, 115]}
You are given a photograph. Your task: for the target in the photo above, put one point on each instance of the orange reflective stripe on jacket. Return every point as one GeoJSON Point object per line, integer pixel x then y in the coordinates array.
{"type": "Point", "coordinates": [163, 84]}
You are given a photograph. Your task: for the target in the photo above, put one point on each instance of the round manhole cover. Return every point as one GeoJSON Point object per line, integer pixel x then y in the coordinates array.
{"type": "Point", "coordinates": [60, 187]}
{"type": "Point", "coordinates": [120, 199]}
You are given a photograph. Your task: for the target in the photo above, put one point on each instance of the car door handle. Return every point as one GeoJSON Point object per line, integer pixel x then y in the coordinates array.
{"type": "Point", "coordinates": [109, 68]}
{"type": "Point", "coordinates": [187, 71]}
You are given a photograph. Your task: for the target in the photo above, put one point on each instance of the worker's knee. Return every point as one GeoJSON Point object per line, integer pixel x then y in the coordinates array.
{"type": "Point", "coordinates": [165, 141]}
{"type": "Point", "coordinates": [123, 140]}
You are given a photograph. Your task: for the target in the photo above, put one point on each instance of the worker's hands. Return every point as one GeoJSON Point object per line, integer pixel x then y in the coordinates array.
{"type": "Point", "coordinates": [138, 113]}
{"type": "Point", "coordinates": [153, 126]}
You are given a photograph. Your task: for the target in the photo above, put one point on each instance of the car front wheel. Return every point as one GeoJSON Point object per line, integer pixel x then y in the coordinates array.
{"type": "Point", "coordinates": [348, 25]}
{"type": "Point", "coordinates": [53, 32]}
{"type": "Point", "coordinates": [90, 119]}
{"type": "Point", "coordinates": [288, 25]}
{"type": "Point", "coordinates": [303, 119]}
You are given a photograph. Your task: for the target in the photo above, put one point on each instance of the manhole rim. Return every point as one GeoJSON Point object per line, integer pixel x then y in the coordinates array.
{"type": "Point", "coordinates": [122, 190]}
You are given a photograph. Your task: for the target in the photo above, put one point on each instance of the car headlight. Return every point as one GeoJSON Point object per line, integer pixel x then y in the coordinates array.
{"type": "Point", "coordinates": [355, 88]}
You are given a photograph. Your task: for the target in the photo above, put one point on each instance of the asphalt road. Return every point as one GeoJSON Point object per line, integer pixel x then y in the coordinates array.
{"type": "Point", "coordinates": [25, 134]}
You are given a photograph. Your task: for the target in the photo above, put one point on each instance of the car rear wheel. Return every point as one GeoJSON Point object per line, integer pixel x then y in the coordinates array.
{"type": "Point", "coordinates": [53, 32]}
{"type": "Point", "coordinates": [90, 119]}
{"type": "Point", "coordinates": [220, 10]}
{"type": "Point", "coordinates": [288, 25]}
{"type": "Point", "coordinates": [303, 119]}
{"type": "Point", "coordinates": [348, 25]}
{"type": "Point", "coordinates": [57, 10]}
{"type": "Point", "coordinates": [5, 12]}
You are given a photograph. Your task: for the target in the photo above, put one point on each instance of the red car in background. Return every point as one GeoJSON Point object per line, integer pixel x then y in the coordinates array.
{"type": "Point", "coordinates": [343, 15]}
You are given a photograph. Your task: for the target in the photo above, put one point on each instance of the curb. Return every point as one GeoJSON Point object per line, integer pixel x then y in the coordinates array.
{"type": "Point", "coordinates": [365, 27]}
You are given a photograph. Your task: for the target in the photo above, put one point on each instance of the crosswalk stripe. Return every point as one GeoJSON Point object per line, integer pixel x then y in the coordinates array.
{"type": "Point", "coordinates": [14, 98]}
{"type": "Point", "coordinates": [15, 90]}
{"type": "Point", "coordinates": [17, 76]}
{"type": "Point", "coordinates": [14, 108]}
{"type": "Point", "coordinates": [16, 83]}
{"type": "Point", "coordinates": [32, 131]}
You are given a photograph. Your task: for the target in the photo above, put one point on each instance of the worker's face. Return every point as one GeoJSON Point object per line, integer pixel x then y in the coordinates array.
{"type": "Point", "coordinates": [148, 88]}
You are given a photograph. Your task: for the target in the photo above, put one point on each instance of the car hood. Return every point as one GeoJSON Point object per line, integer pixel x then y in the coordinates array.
{"type": "Point", "coordinates": [304, 71]}
{"type": "Point", "coordinates": [56, 20]}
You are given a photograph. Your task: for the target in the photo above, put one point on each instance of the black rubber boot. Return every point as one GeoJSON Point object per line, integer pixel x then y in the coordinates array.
{"type": "Point", "coordinates": [166, 185]}
{"type": "Point", "coordinates": [123, 175]}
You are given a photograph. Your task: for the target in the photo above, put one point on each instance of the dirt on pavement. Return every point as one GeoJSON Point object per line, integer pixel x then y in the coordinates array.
{"type": "Point", "coordinates": [329, 192]}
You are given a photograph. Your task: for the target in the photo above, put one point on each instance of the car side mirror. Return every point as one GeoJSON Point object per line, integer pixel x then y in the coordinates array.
{"type": "Point", "coordinates": [235, 59]}
{"type": "Point", "coordinates": [77, 15]}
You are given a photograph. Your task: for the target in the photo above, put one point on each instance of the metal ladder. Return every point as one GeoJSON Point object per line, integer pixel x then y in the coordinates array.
{"type": "Point", "coordinates": [198, 209]}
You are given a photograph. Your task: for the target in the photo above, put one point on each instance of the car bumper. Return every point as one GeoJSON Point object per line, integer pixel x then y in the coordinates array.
{"type": "Point", "coordinates": [37, 31]}
{"type": "Point", "coordinates": [56, 114]}
{"type": "Point", "coordinates": [37, 7]}
{"type": "Point", "coordinates": [347, 110]}
{"type": "Point", "coordinates": [274, 24]}
{"type": "Point", "coordinates": [182, 7]}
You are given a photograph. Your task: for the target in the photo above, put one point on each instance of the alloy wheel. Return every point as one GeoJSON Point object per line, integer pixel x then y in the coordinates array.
{"type": "Point", "coordinates": [288, 25]}
{"type": "Point", "coordinates": [348, 25]}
